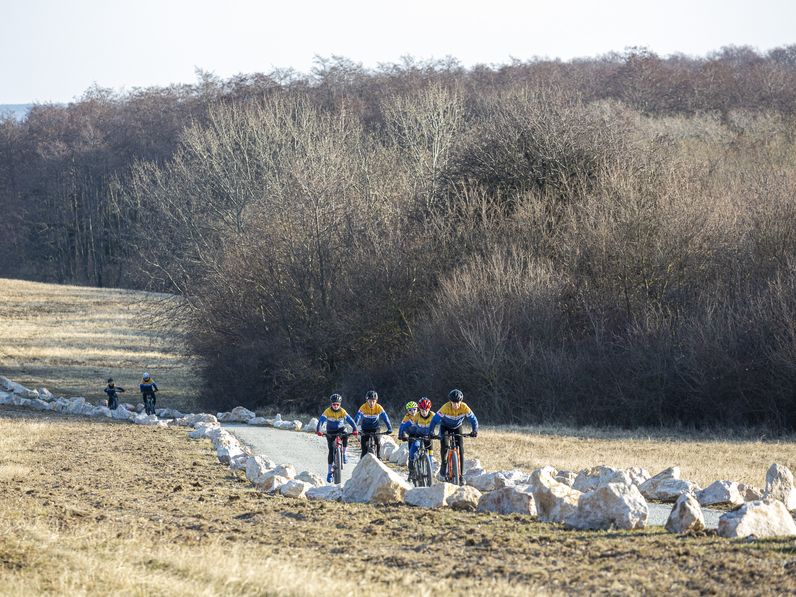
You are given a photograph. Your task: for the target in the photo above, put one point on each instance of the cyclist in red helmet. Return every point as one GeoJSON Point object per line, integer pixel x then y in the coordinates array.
{"type": "Point", "coordinates": [420, 425]}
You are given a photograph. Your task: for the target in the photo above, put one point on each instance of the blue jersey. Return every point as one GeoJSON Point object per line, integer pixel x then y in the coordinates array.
{"type": "Point", "coordinates": [335, 420]}
{"type": "Point", "coordinates": [423, 425]}
{"type": "Point", "coordinates": [452, 418]}
{"type": "Point", "coordinates": [369, 418]}
{"type": "Point", "coordinates": [148, 388]}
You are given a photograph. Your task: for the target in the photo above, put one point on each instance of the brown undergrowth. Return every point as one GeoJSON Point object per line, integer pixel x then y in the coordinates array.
{"type": "Point", "coordinates": [98, 507]}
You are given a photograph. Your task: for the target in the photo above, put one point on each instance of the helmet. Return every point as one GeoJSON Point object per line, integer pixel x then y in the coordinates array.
{"type": "Point", "coordinates": [146, 376]}
{"type": "Point", "coordinates": [110, 380]}
{"type": "Point", "coordinates": [411, 404]}
{"type": "Point", "coordinates": [455, 396]}
{"type": "Point", "coordinates": [424, 404]}
{"type": "Point", "coordinates": [335, 398]}
{"type": "Point", "coordinates": [371, 395]}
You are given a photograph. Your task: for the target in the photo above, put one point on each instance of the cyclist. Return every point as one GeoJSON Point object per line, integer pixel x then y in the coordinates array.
{"type": "Point", "coordinates": [450, 418]}
{"type": "Point", "coordinates": [368, 417]}
{"type": "Point", "coordinates": [420, 426]}
{"type": "Point", "coordinates": [148, 388]}
{"type": "Point", "coordinates": [335, 418]}
{"type": "Point", "coordinates": [113, 398]}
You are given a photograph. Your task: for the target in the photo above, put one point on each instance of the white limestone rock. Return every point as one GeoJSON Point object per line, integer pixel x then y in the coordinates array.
{"type": "Point", "coordinates": [238, 462]}
{"type": "Point", "coordinates": [238, 414]}
{"type": "Point", "coordinates": [331, 493]}
{"type": "Point", "coordinates": [5, 398]}
{"type": "Point", "coordinates": [39, 405]}
{"type": "Point", "coordinates": [311, 425]}
{"type": "Point", "coordinates": [228, 452]}
{"type": "Point", "coordinates": [203, 430]}
{"type": "Point", "coordinates": [667, 486]}
{"type": "Point", "coordinates": [168, 413]}
{"type": "Point", "coordinates": [259, 421]}
{"type": "Point", "coordinates": [400, 456]}
{"type": "Point", "coordinates": [194, 420]}
{"type": "Point", "coordinates": [272, 483]}
{"type": "Point", "coordinates": [286, 470]}
{"type": "Point", "coordinates": [14, 388]}
{"type": "Point", "coordinates": [144, 419]}
{"type": "Point", "coordinates": [101, 411]}
{"type": "Point", "coordinates": [507, 500]}
{"type": "Point", "coordinates": [76, 406]}
{"type": "Point", "coordinates": [779, 486]}
{"type": "Point", "coordinates": [720, 492]}
{"type": "Point", "coordinates": [760, 518]}
{"type": "Point", "coordinates": [465, 498]}
{"type": "Point", "coordinates": [435, 496]}
{"type": "Point", "coordinates": [750, 493]}
{"type": "Point", "coordinates": [555, 502]}
{"type": "Point", "coordinates": [257, 467]}
{"type": "Point", "coordinates": [387, 451]}
{"type": "Point", "coordinates": [121, 414]}
{"type": "Point", "coordinates": [611, 506]}
{"type": "Point", "coordinates": [45, 394]}
{"type": "Point", "coordinates": [638, 475]}
{"type": "Point", "coordinates": [372, 482]}
{"type": "Point", "coordinates": [566, 477]}
{"type": "Point", "coordinates": [686, 516]}
{"type": "Point", "coordinates": [295, 489]}
{"type": "Point", "coordinates": [311, 478]}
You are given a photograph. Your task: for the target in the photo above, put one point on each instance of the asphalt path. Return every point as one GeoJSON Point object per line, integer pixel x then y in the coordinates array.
{"type": "Point", "coordinates": [307, 452]}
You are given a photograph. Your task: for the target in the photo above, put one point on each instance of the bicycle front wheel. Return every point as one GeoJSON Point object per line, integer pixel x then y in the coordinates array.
{"type": "Point", "coordinates": [338, 464]}
{"type": "Point", "coordinates": [454, 470]}
{"type": "Point", "coordinates": [424, 471]}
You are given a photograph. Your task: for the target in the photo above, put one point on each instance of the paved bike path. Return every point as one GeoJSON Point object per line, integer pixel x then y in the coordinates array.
{"type": "Point", "coordinates": [305, 451]}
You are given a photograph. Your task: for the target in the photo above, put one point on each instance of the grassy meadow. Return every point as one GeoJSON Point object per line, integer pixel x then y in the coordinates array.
{"type": "Point", "coordinates": [70, 339]}
{"type": "Point", "coordinates": [127, 510]}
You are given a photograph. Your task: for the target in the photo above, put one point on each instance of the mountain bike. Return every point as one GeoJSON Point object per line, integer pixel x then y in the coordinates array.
{"type": "Point", "coordinates": [337, 457]}
{"type": "Point", "coordinates": [423, 474]}
{"type": "Point", "coordinates": [149, 404]}
{"type": "Point", "coordinates": [371, 443]}
{"type": "Point", "coordinates": [453, 460]}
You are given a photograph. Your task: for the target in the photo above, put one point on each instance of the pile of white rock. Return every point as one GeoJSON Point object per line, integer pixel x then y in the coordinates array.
{"type": "Point", "coordinates": [598, 498]}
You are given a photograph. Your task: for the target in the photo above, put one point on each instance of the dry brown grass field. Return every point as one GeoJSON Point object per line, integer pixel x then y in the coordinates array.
{"type": "Point", "coordinates": [99, 507]}
{"type": "Point", "coordinates": [70, 339]}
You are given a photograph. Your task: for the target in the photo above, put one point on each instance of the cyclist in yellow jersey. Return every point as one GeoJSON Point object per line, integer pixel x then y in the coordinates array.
{"type": "Point", "coordinates": [335, 417]}
{"type": "Point", "coordinates": [450, 418]}
{"type": "Point", "coordinates": [419, 426]}
{"type": "Point", "coordinates": [369, 416]}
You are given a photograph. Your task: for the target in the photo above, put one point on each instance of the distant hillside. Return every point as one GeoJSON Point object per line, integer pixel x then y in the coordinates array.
{"type": "Point", "coordinates": [18, 111]}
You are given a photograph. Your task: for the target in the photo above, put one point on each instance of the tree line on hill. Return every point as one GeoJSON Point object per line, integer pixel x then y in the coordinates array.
{"type": "Point", "coordinates": [610, 240]}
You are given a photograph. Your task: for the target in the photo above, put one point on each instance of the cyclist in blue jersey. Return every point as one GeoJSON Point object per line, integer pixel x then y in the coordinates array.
{"type": "Point", "coordinates": [335, 417]}
{"type": "Point", "coordinates": [450, 418]}
{"type": "Point", "coordinates": [420, 425]}
{"type": "Point", "coordinates": [368, 418]}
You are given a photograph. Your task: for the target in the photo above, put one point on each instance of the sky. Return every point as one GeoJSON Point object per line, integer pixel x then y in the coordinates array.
{"type": "Point", "coordinates": [54, 50]}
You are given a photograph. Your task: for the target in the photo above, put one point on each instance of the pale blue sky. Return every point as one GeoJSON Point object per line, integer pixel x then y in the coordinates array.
{"type": "Point", "coordinates": [53, 50]}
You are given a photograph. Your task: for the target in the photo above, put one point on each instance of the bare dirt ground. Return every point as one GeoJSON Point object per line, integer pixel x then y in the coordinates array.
{"type": "Point", "coordinates": [97, 507]}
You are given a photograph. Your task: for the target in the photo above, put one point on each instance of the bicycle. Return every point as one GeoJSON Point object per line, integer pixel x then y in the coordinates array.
{"type": "Point", "coordinates": [371, 446]}
{"type": "Point", "coordinates": [149, 404]}
{"type": "Point", "coordinates": [423, 476]}
{"type": "Point", "coordinates": [337, 461]}
{"type": "Point", "coordinates": [454, 473]}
